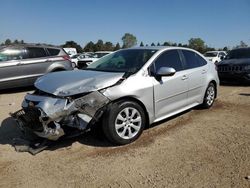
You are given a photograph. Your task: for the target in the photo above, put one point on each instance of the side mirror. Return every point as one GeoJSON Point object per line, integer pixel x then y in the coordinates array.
{"type": "Point", "coordinates": [165, 71]}
{"type": "Point", "coordinates": [222, 57]}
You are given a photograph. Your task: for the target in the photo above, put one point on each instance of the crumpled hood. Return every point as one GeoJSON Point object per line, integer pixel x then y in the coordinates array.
{"type": "Point", "coordinates": [235, 61]}
{"type": "Point", "coordinates": [67, 83]}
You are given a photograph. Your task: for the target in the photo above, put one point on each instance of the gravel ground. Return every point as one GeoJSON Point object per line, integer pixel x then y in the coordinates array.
{"type": "Point", "coordinates": [198, 148]}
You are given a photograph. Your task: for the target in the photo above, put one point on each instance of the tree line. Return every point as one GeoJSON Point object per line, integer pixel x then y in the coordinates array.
{"type": "Point", "coordinates": [129, 40]}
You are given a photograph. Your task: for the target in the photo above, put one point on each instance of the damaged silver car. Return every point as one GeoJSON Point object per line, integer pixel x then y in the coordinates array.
{"type": "Point", "coordinates": [125, 90]}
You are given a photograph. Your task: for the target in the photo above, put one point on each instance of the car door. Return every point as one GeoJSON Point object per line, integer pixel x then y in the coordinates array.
{"type": "Point", "coordinates": [170, 92]}
{"type": "Point", "coordinates": [196, 71]}
{"type": "Point", "coordinates": [11, 72]}
{"type": "Point", "coordinates": [36, 64]}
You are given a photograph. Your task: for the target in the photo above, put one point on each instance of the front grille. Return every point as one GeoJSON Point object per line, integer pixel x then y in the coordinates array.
{"type": "Point", "coordinates": [228, 68]}
{"type": "Point", "coordinates": [29, 118]}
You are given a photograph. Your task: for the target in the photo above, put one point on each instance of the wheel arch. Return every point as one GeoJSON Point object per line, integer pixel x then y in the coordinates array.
{"type": "Point", "coordinates": [130, 98]}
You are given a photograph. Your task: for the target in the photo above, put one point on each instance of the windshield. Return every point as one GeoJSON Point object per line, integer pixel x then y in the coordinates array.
{"type": "Point", "coordinates": [74, 56]}
{"type": "Point", "coordinates": [99, 55]}
{"type": "Point", "coordinates": [239, 54]}
{"type": "Point", "coordinates": [130, 60]}
{"type": "Point", "coordinates": [211, 54]}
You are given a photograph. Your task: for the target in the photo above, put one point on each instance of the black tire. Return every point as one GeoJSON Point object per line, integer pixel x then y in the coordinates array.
{"type": "Point", "coordinates": [111, 121]}
{"type": "Point", "coordinates": [209, 96]}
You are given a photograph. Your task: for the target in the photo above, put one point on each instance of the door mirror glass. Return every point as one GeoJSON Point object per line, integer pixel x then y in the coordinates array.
{"type": "Point", "coordinates": [165, 71]}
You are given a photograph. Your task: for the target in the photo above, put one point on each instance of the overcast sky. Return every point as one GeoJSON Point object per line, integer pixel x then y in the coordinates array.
{"type": "Point", "coordinates": [218, 22]}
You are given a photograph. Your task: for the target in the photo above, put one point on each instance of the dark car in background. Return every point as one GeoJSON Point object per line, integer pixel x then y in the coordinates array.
{"type": "Point", "coordinates": [21, 65]}
{"type": "Point", "coordinates": [235, 67]}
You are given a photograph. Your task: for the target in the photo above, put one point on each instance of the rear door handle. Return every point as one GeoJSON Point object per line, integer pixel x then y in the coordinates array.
{"type": "Point", "coordinates": [19, 63]}
{"type": "Point", "coordinates": [48, 60]}
{"type": "Point", "coordinates": [184, 77]}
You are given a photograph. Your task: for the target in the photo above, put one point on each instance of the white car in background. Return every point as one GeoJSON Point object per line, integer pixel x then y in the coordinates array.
{"type": "Point", "coordinates": [81, 57]}
{"type": "Point", "coordinates": [215, 56]}
{"type": "Point", "coordinates": [92, 57]}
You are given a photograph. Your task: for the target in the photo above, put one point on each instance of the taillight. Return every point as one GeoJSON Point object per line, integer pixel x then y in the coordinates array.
{"type": "Point", "coordinates": [66, 57]}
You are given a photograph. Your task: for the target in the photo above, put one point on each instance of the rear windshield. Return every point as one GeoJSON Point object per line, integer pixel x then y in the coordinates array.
{"type": "Point", "coordinates": [211, 54]}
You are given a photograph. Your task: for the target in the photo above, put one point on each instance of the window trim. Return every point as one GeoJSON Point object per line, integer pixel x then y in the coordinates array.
{"type": "Point", "coordinates": [27, 52]}
{"type": "Point", "coordinates": [185, 61]}
{"type": "Point", "coordinates": [165, 51]}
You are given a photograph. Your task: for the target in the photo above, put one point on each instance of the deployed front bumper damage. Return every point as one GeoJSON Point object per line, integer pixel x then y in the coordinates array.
{"type": "Point", "coordinates": [48, 116]}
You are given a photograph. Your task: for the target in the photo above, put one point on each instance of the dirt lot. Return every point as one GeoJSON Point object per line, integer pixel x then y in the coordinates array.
{"type": "Point", "coordinates": [199, 148]}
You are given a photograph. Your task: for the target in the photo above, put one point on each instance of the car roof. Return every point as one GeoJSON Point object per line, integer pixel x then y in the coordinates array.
{"type": "Point", "coordinates": [161, 48]}
{"type": "Point", "coordinates": [215, 51]}
{"type": "Point", "coordinates": [31, 45]}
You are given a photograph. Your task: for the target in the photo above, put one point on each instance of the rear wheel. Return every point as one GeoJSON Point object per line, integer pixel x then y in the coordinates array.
{"type": "Point", "coordinates": [209, 96]}
{"type": "Point", "coordinates": [123, 122]}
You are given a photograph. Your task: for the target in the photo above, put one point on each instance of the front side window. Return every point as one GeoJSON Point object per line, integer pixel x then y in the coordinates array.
{"type": "Point", "coordinates": [34, 52]}
{"type": "Point", "coordinates": [169, 58]}
{"type": "Point", "coordinates": [130, 60]}
{"type": "Point", "coordinates": [193, 60]}
{"type": "Point", "coordinates": [7, 54]}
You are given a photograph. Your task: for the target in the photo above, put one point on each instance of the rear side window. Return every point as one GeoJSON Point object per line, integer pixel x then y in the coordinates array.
{"type": "Point", "coordinates": [169, 58]}
{"type": "Point", "coordinates": [34, 52]}
{"type": "Point", "coordinates": [53, 51]}
{"type": "Point", "coordinates": [193, 60]}
{"type": "Point", "coordinates": [7, 54]}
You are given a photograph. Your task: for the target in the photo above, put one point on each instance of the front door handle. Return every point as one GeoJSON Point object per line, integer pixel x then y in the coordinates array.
{"type": "Point", "coordinates": [184, 77]}
{"type": "Point", "coordinates": [204, 71]}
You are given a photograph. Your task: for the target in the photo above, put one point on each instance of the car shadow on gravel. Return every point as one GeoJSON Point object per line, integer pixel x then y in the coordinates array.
{"type": "Point", "coordinates": [245, 94]}
{"type": "Point", "coordinates": [234, 84]}
{"type": "Point", "coordinates": [9, 131]}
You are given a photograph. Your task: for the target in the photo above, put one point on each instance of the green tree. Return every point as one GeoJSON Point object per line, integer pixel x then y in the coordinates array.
{"type": "Point", "coordinates": [153, 44]}
{"type": "Point", "coordinates": [141, 44]}
{"type": "Point", "coordinates": [197, 44]}
{"type": "Point", "coordinates": [158, 44]}
{"type": "Point", "coordinates": [166, 44]}
{"type": "Point", "coordinates": [242, 45]}
{"type": "Point", "coordinates": [72, 44]}
{"type": "Point", "coordinates": [89, 47]}
{"type": "Point", "coordinates": [7, 42]}
{"type": "Point", "coordinates": [225, 49]}
{"type": "Point", "coordinates": [129, 40]}
{"type": "Point", "coordinates": [108, 46]}
{"type": "Point", "coordinates": [117, 46]}
{"type": "Point", "coordinates": [16, 42]}
{"type": "Point", "coordinates": [99, 46]}
{"type": "Point", "coordinates": [22, 42]}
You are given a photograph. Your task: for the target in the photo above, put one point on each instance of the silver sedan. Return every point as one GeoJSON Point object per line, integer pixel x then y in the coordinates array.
{"type": "Point", "coordinates": [125, 90]}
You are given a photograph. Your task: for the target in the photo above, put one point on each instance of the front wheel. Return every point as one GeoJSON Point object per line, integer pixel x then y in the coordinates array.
{"type": "Point", "coordinates": [123, 122]}
{"type": "Point", "coordinates": [209, 96]}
